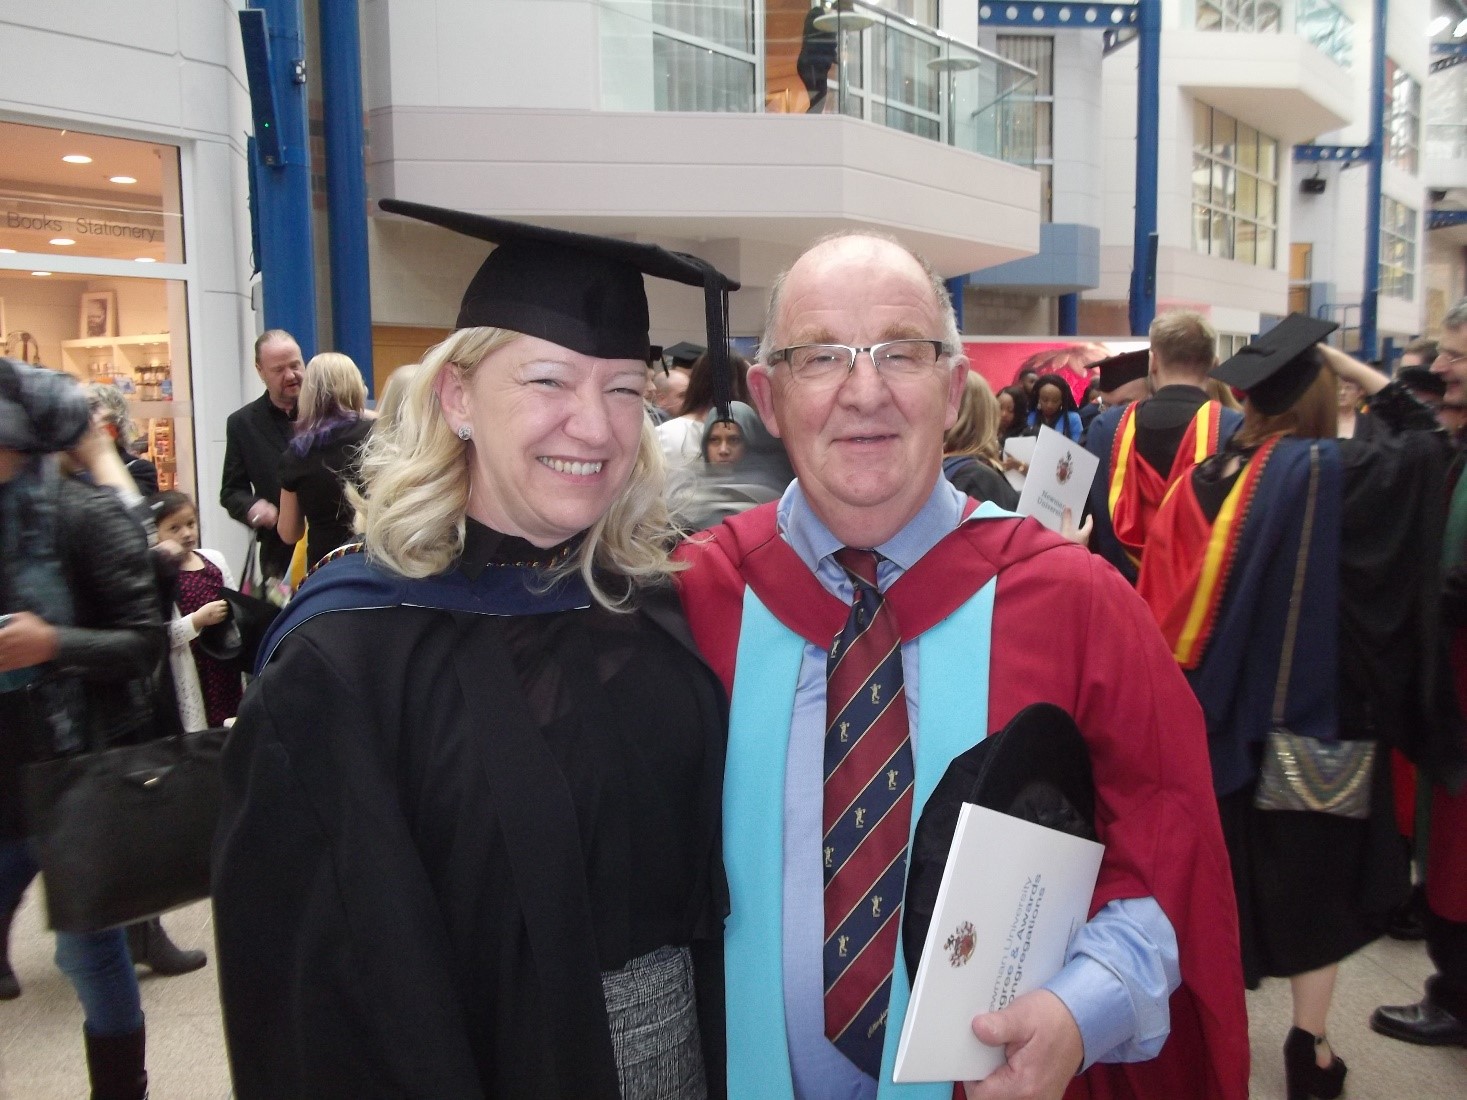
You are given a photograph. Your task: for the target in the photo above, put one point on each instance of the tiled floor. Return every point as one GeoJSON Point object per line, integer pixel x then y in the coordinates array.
{"type": "Point", "coordinates": [41, 1055]}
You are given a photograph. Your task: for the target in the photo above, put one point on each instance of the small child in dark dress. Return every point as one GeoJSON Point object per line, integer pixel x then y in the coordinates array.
{"type": "Point", "coordinates": [208, 690]}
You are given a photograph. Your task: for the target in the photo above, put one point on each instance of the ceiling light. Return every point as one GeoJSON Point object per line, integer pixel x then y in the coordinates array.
{"type": "Point", "coordinates": [1460, 29]}
{"type": "Point", "coordinates": [77, 158]}
{"type": "Point", "coordinates": [145, 260]}
{"type": "Point", "coordinates": [40, 274]}
{"type": "Point", "coordinates": [62, 241]}
{"type": "Point", "coordinates": [8, 251]}
{"type": "Point", "coordinates": [121, 179]}
{"type": "Point", "coordinates": [1437, 25]}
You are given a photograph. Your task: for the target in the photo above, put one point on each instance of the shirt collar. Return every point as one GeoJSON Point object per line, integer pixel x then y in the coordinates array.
{"type": "Point", "coordinates": [814, 544]}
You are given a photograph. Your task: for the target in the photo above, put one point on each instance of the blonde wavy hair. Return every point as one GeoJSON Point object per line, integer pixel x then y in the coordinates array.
{"type": "Point", "coordinates": [975, 432]}
{"type": "Point", "coordinates": [331, 388]}
{"type": "Point", "coordinates": [415, 489]}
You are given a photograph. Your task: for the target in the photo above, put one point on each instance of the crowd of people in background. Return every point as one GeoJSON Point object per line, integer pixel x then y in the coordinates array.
{"type": "Point", "coordinates": [1293, 524]}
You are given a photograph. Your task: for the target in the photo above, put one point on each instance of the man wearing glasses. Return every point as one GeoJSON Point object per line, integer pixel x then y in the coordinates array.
{"type": "Point", "coordinates": [871, 586]}
{"type": "Point", "coordinates": [1440, 1017]}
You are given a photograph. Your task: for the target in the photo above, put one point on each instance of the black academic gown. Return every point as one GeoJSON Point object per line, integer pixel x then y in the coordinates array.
{"type": "Point", "coordinates": [417, 886]}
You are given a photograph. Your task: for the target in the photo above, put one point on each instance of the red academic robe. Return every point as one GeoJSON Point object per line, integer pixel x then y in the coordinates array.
{"type": "Point", "coordinates": [1067, 629]}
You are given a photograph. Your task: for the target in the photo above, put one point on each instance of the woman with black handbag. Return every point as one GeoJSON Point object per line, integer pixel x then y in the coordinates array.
{"type": "Point", "coordinates": [1291, 574]}
{"type": "Point", "coordinates": [81, 636]}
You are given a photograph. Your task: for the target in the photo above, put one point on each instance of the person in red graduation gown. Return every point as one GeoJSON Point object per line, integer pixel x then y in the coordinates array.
{"type": "Point", "coordinates": [865, 437]}
{"type": "Point", "coordinates": [1145, 446]}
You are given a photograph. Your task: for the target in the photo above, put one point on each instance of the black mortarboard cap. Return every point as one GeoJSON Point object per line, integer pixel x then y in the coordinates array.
{"type": "Point", "coordinates": [1276, 369]}
{"type": "Point", "coordinates": [1036, 768]}
{"type": "Point", "coordinates": [1422, 380]}
{"type": "Point", "coordinates": [578, 290]}
{"type": "Point", "coordinates": [683, 352]}
{"type": "Point", "coordinates": [1128, 366]}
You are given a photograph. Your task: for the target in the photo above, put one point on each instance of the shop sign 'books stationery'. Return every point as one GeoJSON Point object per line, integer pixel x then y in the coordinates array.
{"type": "Point", "coordinates": [1012, 895]}
{"type": "Point", "coordinates": [1060, 473]}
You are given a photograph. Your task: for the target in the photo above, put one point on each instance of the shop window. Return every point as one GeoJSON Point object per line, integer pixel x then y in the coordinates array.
{"type": "Point", "coordinates": [69, 193]}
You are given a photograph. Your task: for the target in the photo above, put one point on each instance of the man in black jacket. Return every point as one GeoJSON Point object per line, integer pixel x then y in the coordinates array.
{"type": "Point", "coordinates": [80, 639]}
{"type": "Point", "coordinates": [255, 436]}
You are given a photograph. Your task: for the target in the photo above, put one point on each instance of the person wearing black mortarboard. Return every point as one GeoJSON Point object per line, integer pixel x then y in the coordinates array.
{"type": "Point", "coordinates": [466, 849]}
{"type": "Point", "coordinates": [1294, 576]}
{"type": "Point", "coordinates": [1145, 445]}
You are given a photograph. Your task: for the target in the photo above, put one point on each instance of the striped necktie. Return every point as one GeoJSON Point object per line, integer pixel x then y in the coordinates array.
{"type": "Point", "coordinates": [868, 810]}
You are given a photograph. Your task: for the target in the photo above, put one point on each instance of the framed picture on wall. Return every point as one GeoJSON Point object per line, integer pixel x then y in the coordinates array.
{"type": "Point", "coordinates": [98, 314]}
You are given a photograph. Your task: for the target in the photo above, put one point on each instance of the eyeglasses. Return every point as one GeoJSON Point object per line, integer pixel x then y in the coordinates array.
{"type": "Point", "coordinates": [1452, 357]}
{"type": "Point", "coordinates": [829, 363]}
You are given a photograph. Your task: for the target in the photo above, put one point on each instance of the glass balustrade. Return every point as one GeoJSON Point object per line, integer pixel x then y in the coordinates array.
{"type": "Point", "coordinates": [1321, 22]}
{"type": "Point", "coordinates": [854, 59]}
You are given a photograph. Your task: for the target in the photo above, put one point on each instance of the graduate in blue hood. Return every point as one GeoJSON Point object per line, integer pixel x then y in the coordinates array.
{"type": "Point", "coordinates": [470, 842]}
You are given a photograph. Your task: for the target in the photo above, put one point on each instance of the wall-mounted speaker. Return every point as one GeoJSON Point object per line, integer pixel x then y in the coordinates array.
{"type": "Point", "coordinates": [1313, 185]}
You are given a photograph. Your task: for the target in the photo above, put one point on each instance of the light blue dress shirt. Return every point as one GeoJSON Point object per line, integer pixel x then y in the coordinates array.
{"type": "Point", "coordinates": [1121, 966]}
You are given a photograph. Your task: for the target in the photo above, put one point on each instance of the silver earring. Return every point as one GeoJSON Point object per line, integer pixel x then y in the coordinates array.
{"type": "Point", "coordinates": [465, 433]}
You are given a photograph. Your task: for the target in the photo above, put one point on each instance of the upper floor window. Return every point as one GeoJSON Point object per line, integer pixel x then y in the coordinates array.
{"type": "Point", "coordinates": [1397, 249]}
{"type": "Point", "coordinates": [1402, 122]}
{"type": "Point", "coordinates": [1235, 176]}
{"type": "Point", "coordinates": [1238, 15]}
{"type": "Point", "coordinates": [1036, 51]}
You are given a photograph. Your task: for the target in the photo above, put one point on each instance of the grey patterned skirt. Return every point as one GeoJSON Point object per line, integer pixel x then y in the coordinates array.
{"type": "Point", "coordinates": [654, 1027]}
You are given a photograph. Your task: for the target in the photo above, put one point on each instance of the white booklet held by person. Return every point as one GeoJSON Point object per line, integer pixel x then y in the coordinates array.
{"type": "Point", "coordinates": [1012, 895]}
{"type": "Point", "coordinates": [1060, 473]}
{"type": "Point", "coordinates": [1021, 449]}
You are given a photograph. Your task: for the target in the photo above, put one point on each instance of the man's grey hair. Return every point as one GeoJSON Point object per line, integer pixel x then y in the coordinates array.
{"type": "Point", "coordinates": [1456, 316]}
{"type": "Point", "coordinates": [952, 342]}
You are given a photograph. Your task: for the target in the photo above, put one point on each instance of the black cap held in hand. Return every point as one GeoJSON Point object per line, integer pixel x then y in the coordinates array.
{"type": "Point", "coordinates": [1276, 369]}
{"type": "Point", "coordinates": [579, 290]}
{"type": "Point", "coordinates": [1036, 768]}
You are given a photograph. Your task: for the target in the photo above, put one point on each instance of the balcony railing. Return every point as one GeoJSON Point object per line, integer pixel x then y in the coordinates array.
{"type": "Point", "coordinates": [857, 59]}
{"type": "Point", "coordinates": [1321, 22]}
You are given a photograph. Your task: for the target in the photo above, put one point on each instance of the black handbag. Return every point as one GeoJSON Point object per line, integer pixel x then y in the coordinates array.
{"type": "Point", "coordinates": [124, 834]}
{"type": "Point", "coordinates": [1300, 773]}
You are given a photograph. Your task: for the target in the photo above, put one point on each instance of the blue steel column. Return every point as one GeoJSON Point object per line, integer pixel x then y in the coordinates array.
{"type": "Point", "coordinates": [287, 267]}
{"type": "Point", "coordinates": [1148, 104]}
{"type": "Point", "coordinates": [955, 295]}
{"type": "Point", "coordinates": [1069, 315]}
{"type": "Point", "coordinates": [1370, 294]}
{"type": "Point", "coordinates": [346, 183]}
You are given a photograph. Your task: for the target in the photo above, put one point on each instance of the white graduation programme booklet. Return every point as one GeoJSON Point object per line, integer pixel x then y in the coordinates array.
{"type": "Point", "coordinates": [1020, 447]}
{"type": "Point", "coordinates": [1060, 473]}
{"type": "Point", "coordinates": [1012, 895]}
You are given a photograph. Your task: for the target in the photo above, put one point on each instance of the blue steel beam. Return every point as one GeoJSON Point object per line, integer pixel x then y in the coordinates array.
{"type": "Point", "coordinates": [1447, 54]}
{"type": "Point", "coordinates": [1054, 15]}
{"type": "Point", "coordinates": [1445, 219]}
{"type": "Point", "coordinates": [346, 183]}
{"type": "Point", "coordinates": [1142, 306]}
{"type": "Point", "coordinates": [955, 287]}
{"type": "Point", "coordinates": [1339, 154]}
{"type": "Point", "coordinates": [283, 190]}
{"type": "Point", "coordinates": [1370, 297]}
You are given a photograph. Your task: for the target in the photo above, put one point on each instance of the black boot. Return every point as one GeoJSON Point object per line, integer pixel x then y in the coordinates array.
{"type": "Point", "coordinates": [9, 985]}
{"type": "Point", "coordinates": [149, 944]}
{"type": "Point", "coordinates": [116, 1065]}
{"type": "Point", "coordinates": [1303, 1074]}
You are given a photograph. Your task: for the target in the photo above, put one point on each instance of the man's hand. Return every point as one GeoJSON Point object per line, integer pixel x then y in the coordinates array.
{"type": "Point", "coordinates": [1081, 534]}
{"type": "Point", "coordinates": [262, 514]}
{"type": "Point", "coordinates": [26, 640]}
{"type": "Point", "coordinates": [1043, 1046]}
